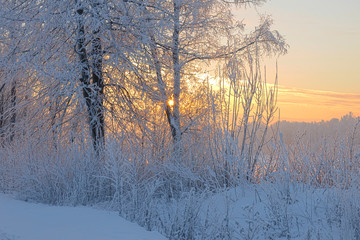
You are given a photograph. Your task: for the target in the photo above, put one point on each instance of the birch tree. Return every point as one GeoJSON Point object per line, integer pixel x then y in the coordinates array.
{"type": "Point", "coordinates": [194, 32]}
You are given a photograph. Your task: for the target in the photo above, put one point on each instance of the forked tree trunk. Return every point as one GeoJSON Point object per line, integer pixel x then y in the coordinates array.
{"type": "Point", "coordinates": [172, 114]}
{"type": "Point", "coordinates": [92, 92]}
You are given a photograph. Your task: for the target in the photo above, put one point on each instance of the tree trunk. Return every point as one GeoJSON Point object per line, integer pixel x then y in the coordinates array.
{"type": "Point", "coordinates": [13, 111]}
{"type": "Point", "coordinates": [98, 125]}
{"type": "Point", "coordinates": [2, 107]}
{"type": "Point", "coordinates": [175, 118]}
{"type": "Point", "coordinates": [172, 113]}
{"type": "Point", "coordinates": [92, 93]}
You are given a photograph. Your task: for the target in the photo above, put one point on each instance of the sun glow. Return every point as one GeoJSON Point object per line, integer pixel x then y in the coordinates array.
{"type": "Point", "coordinates": [171, 103]}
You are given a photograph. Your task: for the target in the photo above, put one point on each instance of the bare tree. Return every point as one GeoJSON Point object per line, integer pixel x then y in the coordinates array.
{"type": "Point", "coordinates": [193, 35]}
{"type": "Point", "coordinates": [98, 61]}
{"type": "Point", "coordinates": [61, 52]}
{"type": "Point", "coordinates": [92, 73]}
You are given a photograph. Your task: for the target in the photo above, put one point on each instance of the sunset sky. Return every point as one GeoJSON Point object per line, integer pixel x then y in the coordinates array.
{"type": "Point", "coordinates": [319, 77]}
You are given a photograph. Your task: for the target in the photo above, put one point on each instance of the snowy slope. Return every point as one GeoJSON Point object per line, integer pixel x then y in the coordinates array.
{"type": "Point", "coordinates": [29, 221]}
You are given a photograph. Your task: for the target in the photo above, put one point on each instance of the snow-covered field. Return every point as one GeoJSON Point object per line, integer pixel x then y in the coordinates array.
{"type": "Point", "coordinates": [32, 221]}
{"type": "Point", "coordinates": [265, 211]}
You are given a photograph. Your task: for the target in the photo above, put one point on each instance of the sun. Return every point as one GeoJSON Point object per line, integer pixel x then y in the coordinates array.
{"type": "Point", "coordinates": [171, 102]}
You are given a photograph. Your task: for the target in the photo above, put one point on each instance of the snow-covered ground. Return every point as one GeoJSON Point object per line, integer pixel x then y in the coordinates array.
{"type": "Point", "coordinates": [251, 211]}
{"type": "Point", "coordinates": [30, 221]}
{"type": "Point", "coordinates": [285, 211]}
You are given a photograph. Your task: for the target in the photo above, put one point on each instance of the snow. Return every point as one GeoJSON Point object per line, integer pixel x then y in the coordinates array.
{"type": "Point", "coordinates": [30, 221]}
{"type": "Point", "coordinates": [286, 211]}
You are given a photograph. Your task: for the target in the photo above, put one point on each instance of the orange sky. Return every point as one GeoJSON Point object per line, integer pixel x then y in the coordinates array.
{"type": "Point", "coordinates": [314, 105]}
{"type": "Point", "coordinates": [320, 75]}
